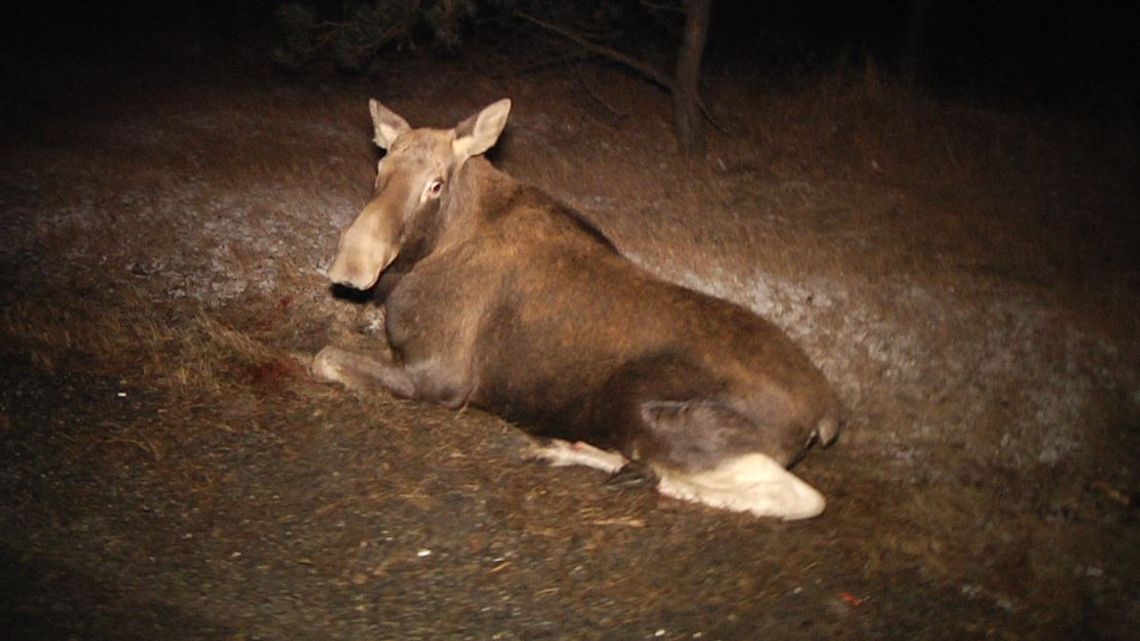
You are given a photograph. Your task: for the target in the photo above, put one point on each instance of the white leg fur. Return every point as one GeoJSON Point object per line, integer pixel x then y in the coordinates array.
{"type": "Point", "coordinates": [325, 363]}
{"type": "Point", "coordinates": [559, 453]}
{"type": "Point", "coordinates": [336, 365]}
{"type": "Point", "coordinates": [750, 483]}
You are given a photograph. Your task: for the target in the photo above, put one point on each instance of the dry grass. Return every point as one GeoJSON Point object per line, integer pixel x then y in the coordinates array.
{"type": "Point", "coordinates": [184, 352]}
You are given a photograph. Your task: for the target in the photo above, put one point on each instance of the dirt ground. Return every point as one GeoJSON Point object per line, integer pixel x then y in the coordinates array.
{"type": "Point", "coordinates": [967, 275]}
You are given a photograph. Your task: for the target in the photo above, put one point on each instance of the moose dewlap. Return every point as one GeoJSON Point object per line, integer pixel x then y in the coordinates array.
{"type": "Point", "coordinates": [500, 297]}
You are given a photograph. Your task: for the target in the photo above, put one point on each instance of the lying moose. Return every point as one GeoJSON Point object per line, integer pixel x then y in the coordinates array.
{"type": "Point", "coordinates": [499, 297]}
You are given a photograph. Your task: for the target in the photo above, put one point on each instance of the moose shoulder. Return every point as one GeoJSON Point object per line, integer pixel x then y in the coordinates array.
{"type": "Point", "coordinates": [500, 297]}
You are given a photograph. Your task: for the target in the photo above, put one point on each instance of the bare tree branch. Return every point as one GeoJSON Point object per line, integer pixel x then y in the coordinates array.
{"type": "Point", "coordinates": [594, 95]}
{"type": "Point", "coordinates": [686, 94]}
{"type": "Point", "coordinates": [658, 78]}
{"type": "Point", "coordinates": [657, 6]}
{"type": "Point", "coordinates": [653, 75]}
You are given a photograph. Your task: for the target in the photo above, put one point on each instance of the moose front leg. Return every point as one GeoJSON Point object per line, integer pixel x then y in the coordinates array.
{"type": "Point", "coordinates": [361, 373]}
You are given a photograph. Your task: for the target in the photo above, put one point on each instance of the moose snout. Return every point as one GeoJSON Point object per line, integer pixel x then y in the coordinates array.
{"type": "Point", "coordinates": [359, 260]}
{"type": "Point", "coordinates": [349, 271]}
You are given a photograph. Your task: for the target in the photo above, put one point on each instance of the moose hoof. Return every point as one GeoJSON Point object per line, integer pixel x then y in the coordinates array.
{"type": "Point", "coordinates": [632, 474]}
{"type": "Point", "coordinates": [325, 364]}
{"type": "Point", "coordinates": [335, 365]}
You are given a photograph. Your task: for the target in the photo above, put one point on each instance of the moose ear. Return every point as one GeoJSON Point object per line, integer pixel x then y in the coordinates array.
{"type": "Point", "coordinates": [387, 124]}
{"type": "Point", "coordinates": [480, 132]}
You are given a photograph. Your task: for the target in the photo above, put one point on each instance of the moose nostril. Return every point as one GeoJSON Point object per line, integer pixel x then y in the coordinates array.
{"type": "Point", "coordinates": [348, 292]}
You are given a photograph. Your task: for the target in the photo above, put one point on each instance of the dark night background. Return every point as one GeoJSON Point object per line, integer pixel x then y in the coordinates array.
{"type": "Point", "coordinates": [1065, 53]}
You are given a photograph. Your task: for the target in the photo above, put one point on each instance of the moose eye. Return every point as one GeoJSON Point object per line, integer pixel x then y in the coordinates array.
{"type": "Point", "coordinates": [435, 188]}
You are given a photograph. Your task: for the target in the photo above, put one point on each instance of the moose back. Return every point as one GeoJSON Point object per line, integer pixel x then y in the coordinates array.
{"type": "Point", "coordinates": [499, 297]}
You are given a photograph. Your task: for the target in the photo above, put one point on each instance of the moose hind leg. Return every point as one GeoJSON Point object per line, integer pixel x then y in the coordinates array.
{"type": "Point", "coordinates": [708, 453]}
{"type": "Point", "coordinates": [361, 373]}
{"type": "Point", "coordinates": [751, 483]}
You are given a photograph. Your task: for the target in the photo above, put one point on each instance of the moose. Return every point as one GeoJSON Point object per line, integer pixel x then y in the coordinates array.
{"type": "Point", "coordinates": [498, 296]}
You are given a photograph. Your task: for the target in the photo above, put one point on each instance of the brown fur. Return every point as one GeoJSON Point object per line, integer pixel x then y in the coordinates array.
{"type": "Point", "coordinates": [553, 329]}
{"type": "Point", "coordinates": [504, 299]}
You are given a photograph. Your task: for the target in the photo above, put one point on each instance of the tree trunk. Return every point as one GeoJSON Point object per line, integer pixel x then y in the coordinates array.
{"type": "Point", "coordinates": [913, 41]}
{"type": "Point", "coordinates": [686, 89]}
